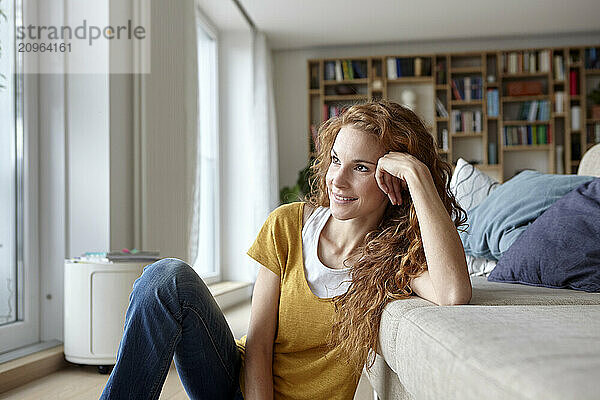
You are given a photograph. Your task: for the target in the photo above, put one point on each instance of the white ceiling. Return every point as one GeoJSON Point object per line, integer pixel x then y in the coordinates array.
{"type": "Point", "coordinates": [309, 23]}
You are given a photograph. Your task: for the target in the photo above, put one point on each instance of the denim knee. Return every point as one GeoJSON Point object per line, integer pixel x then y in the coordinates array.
{"type": "Point", "coordinates": [159, 275]}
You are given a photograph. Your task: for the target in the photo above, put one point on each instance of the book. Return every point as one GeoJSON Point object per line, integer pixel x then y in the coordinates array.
{"type": "Point", "coordinates": [559, 68]}
{"type": "Point", "coordinates": [359, 71]}
{"type": "Point", "coordinates": [573, 80]}
{"type": "Point", "coordinates": [418, 66]}
{"type": "Point", "coordinates": [346, 72]}
{"type": "Point", "coordinates": [532, 111]}
{"type": "Point", "coordinates": [338, 71]}
{"type": "Point", "coordinates": [455, 90]}
{"type": "Point", "coordinates": [441, 110]}
{"type": "Point", "coordinates": [559, 101]}
{"type": "Point", "coordinates": [391, 68]}
{"type": "Point", "coordinates": [124, 255]}
{"type": "Point", "coordinates": [329, 70]}
{"type": "Point", "coordinates": [467, 85]}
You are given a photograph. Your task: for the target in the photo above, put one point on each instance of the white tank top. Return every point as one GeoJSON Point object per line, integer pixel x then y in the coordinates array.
{"type": "Point", "coordinates": [323, 281]}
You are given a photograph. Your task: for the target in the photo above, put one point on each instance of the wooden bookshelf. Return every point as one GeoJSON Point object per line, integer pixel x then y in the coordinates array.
{"type": "Point", "coordinates": [495, 148]}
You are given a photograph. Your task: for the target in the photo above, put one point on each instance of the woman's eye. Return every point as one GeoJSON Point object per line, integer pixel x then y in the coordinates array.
{"type": "Point", "coordinates": [335, 160]}
{"type": "Point", "coordinates": [362, 168]}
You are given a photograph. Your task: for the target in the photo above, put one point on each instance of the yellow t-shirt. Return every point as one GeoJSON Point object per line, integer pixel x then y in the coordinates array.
{"type": "Point", "coordinates": [301, 369]}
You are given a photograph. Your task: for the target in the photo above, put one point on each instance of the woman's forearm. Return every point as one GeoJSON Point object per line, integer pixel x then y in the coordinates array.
{"type": "Point", "coordinates": [443, 249]}
{"type": "Point", "coordinates": [258, 373]}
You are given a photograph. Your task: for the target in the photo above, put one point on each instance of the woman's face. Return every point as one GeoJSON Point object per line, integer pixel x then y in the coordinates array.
{"type": "Point", "coordinates": [351, 185]}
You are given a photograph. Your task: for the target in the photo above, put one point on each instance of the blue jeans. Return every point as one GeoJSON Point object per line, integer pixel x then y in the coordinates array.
{"type": "Point", "coordinates": [172, 313]}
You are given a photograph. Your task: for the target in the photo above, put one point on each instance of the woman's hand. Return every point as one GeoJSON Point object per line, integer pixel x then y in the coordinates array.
{"type": "Point", "coordinates": [395, 172]}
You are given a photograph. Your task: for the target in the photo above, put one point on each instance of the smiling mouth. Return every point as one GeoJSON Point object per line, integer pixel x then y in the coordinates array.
{"type": "Point", "coordinates": [344, 199]}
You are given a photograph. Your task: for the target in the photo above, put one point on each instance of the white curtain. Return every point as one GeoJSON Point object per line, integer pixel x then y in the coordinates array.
{"type": "Point", "coordinates": [264, 188]}
{"type": "Point", "coordinates": [261, 192]}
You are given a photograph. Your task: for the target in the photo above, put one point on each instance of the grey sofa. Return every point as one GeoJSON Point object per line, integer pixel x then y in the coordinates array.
{"type": "Point", "coordinates": [511, 342]}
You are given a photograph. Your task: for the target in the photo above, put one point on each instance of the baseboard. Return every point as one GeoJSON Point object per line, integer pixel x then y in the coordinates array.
{"type": "Point", "coordinates": [25, 369]}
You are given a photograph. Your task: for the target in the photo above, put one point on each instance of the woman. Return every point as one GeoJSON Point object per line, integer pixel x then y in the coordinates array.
{"type": "Point", "coordinates": [379, 225]}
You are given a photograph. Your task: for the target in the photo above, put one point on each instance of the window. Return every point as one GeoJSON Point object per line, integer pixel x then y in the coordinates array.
{"type": "Point", "coordinates": [207, 181]}
{"type": "Point", "coordinates": [19, 291]}
{"type": "Point", "coordinates": [8, 169]}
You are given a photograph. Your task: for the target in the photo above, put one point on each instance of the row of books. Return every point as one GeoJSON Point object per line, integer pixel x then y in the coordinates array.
{"type": "Point", "coordinates": [527, 134]}
{"type": "Point", "coordinates": [526, 61]}
{"type": "Point", "coordinates": [537, 110]}
{"type": "Point", "coordinates": [493, 103]}
{"type": "Point", "coordinates": [467, 88]}
{"type": "Point", "coordinates": [340, 70]}
{"type": "Point", "coordinates": [466, 121]}
{"type": "Point", "coordinates": [592, 58]}
{"type": "Point", "coordinates": [408, 66]}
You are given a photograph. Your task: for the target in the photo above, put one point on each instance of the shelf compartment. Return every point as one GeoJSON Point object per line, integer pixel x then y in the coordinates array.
{"type": "Point", "coordinates": [412, 79]}
{"type": "Point", "coordinates": [347, 82]}
{"type": "Point", "coordinates": [466, 103]}
{"type": "Point", "coordinates": [595, 71]}
{"type": "Point", "coordinates": [512, 99]}
{"type": "Point", "coordinates": [525, 75]}
{"type": "Point", "coordinates": [466, 134]}
{"type": "Point", "coordinates": [527, 147]}
{"type": "Point", "coordinates": [519, 122]}
{"type": "Point", "coordinates": [466, 70]}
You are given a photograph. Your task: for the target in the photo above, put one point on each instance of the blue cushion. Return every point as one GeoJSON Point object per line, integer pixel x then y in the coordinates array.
{"type": "Point", "coordinates": [498, 221]}
{"type": "Point", "coordinates": [561, 249]}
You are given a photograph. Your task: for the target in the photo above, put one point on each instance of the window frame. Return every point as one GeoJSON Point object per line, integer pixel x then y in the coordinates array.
{"type": "Point", "coordinates": [26, 330]}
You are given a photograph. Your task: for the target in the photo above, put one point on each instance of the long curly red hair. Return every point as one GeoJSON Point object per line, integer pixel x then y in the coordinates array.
{"type": "Point", "coordinates": [392, 253]}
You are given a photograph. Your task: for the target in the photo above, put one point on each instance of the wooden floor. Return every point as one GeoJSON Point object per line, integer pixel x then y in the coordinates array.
{"type": "Point", "coordinates": [85, 383]}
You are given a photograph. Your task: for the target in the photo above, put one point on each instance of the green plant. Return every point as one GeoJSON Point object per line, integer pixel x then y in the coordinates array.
{"type": "Point", "coordinates": [300, 189]}
{"type": "Point", "coordinates": [594, 95]}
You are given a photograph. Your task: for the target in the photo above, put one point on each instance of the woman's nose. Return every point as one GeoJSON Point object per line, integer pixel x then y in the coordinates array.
{"type": "Point", "coordinates": [340, 177]}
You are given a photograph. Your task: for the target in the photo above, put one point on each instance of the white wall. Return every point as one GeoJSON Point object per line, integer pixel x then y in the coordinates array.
{"type": "Point", "coordinates": [290, 77]}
